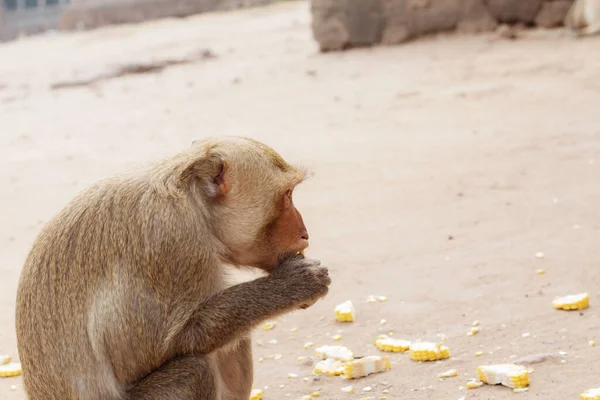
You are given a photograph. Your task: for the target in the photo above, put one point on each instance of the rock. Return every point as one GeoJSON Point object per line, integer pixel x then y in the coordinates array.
{"type": "Point", "coordinates": [552, 13]}
{"type": "Point", "coordinates": [475, 18]}
{"type": "Point", "coordinates": [338, 24]}
{"type": "Point", "coordinates": [512, 11]}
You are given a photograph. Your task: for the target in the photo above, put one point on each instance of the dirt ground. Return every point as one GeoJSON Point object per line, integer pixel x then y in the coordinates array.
{"type": "Point", "coordinates": [440, 168]}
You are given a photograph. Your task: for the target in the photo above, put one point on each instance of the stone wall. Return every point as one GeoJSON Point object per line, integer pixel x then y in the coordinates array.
{"type": "Point", "coordinates": [86, 14]}
{"type": "Point", "coordinates": [340, 24]}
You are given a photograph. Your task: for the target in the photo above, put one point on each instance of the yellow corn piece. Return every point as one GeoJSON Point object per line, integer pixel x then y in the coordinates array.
{"type": "Point", "coordinates": [5, 359]}
{"type": "Point", "coordinates": [474, 384]}
{"type": "Point", "coordinates": [329, 367]}
{"type": "Point", "coordinates": [448, 374]}
{"type": "Point", "coordinates": [340, 353]}
{"type": "Point", "coordinates": [385, 343]}
{"type": "Point", "coordinates": [591, 394]}
{"type": "Point", "coordinates": [267, 326]}
{"type": "Point", "coordinates": [572, 302]}
{"type": "Point", "coordinates": [256, 394]}
{"type": "Point", "coordinates": [345, 312]}
{"type": "Point", "coordinates": [428, 351]}
{"type": "Point", "coordinates": [10, 369]}
{"type": "Point", "coordinates": [509, 375]}
{"type": "Point", "coordinates": [347, 389]}
{"type": "Point", "coordinates": [365, 366]}
{"type": "Point", "coordinates": [315, 394]}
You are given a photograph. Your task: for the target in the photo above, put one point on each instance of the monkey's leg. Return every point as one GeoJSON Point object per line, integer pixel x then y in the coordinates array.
{"type": "Point", "coordinates": [235, 367]}
{"type": "Point", "coordinates": [182, 378]}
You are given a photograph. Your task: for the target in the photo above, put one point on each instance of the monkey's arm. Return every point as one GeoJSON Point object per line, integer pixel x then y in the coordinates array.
{"type": "Point", "coordinates": [226, 315]}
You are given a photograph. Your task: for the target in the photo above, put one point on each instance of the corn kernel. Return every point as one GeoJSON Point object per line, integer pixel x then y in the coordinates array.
{"type": "Point", "coordinates": [340, 353]}
{"type": "Point", "coordinates": [428, 351]}
{"type": "Point", "coordinates": [592, 343]}
{"type": "Point", "coordinates": [388, 344]}
{"type": "Point", "coordinates": [315, 394]}
{"type": "Point", "coordinates": [520, 390]}
{"type": "Point", "coordinates": [348, 389]}
{"type": "Point", "coordinates": [474, 384]}
{"type": "Point", "coordinates": [345, 312]}
{"type": "Point", "coordinates": [267, 326]}
{"type": "Point", "coordinates": [10, 369]}
{"type": "Point", "coordinates": [540, 271]}
{"type": "Point", "coordinates": [474, 331]}
{"type": "Point", "coordinates": [479, 354]}
{"type": "Point", "coordinates": [294, 329]}
{"type": "Point", "coordinates": [591, 394]}
{"type": "Point", "coordinates": [572, 302]}
{"type": "Point", "coordinates": [509, 375]}
{"type": "Point", "coordinates": [365, 366]}
{"type": "Point", "coordinates": [475, 323]}
{"type": "Point", "coordinates": [448, 374]}
{"type": "Point", "coordinates": [308, 344]}
{"type": "Point", "coordinates": [307, 397]}
{"type": "Point", "coordinates": [337, 337]}
{"type": "Point", "coordinates": [256, 394]}
{"type": "Point", "coordinates": [329, 367]}
{"type": "Point", "coordinates": [5, 359]}
{"type": "Point", "coordinates": [292, 375]}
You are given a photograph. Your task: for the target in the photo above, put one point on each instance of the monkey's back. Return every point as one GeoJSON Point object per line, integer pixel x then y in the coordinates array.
{"type": "Point", "coordinates": [78, 292]}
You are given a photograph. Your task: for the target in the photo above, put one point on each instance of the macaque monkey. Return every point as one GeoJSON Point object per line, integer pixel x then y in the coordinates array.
{"type": "Point", "coordinates": [583, 18]}
{"type": "Point", "coordinates": [124, 295]}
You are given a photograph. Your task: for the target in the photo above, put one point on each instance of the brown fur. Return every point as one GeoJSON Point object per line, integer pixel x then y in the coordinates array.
{"type": "Point", "coordinates": [123, 295]}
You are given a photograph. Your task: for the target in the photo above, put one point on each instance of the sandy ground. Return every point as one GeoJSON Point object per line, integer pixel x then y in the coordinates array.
{"type": "Point", "coordinates": [441, 168]}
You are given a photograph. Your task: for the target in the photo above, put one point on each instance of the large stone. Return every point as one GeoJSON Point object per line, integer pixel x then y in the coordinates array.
{"type": "Point", "coordinates": [476, 18]}
{"type": "Point", "coordinates": [337, 24]}
{"type": "Point", "coordinates": [514, 11]}
{"type": "Point", "coordinates": [553, 13]}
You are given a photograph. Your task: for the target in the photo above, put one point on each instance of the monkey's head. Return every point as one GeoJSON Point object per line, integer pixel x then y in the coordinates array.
{"type": "Point", "coordinates": [246, 191]}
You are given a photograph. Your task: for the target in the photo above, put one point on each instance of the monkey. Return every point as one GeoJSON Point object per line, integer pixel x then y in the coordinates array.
{"type": "Point", "coordinates": [123, 295]}
{"type": "Point", "coordinates": [583, 18]}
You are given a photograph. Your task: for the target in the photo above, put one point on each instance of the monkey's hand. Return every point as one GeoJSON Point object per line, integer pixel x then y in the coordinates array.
{"type": "Point", "coordinates": [304, 280]}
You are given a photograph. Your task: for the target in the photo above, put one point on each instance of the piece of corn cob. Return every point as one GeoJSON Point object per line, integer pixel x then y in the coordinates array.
{"type": "Point", "coordinates": [340, 353]}
{"type": "Point", "coordinates": [10, 369]}
{"type": "Point", "coordinates": [591, 394]}
{"type": "Point", "coordinates": [572, 302]}
{"type": "Point", "coordinates": [448, 374]}
{"type": "Point", "coordinates": [509, 375]}
{"type": "Point", "coordinates": [345, 312]}
{"type": "Point", "coordinates": [428, 351]}
{"type": "Point", "coordinates": [385, 343]}
{"type": "Point", "coordinates": [329, 367]}
{"type": "Point", "coordinates": [365, 366]}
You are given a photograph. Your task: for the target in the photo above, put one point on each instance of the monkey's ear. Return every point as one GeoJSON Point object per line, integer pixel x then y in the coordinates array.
{"type": "Point", "coordinates": [213, 172]}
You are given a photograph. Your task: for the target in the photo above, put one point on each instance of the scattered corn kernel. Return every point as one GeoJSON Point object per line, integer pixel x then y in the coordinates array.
{"type": "Point", "coordinates": [329, 367]}
{"type": "Point", "coordinates": [539, 254]}
{"type": "Point", "coordinates": [261, 359]}
{"type": "Point", "coordinates": [367, 389]}
{"type": "Point", "coordinates": [278, 356]}
{"type": "Point", "coordinates": [474, 331]}
{"type": "Point", "coordinates": [5, 359]}
{"type": "Point", "coordinates": [337, 337]}
{"type": "Point", "coordinates": [307, 397]}
{"type": "Point", "coordinates": [592, 343]}
{"type": "Point", "coordinates": [428, 351]}
{"type": "Point", "coordinates": [273, 341]}
{"type": "Point", "coordinates": [383, 322]}
{"type": "Point", "coordinates": [340, 353]}
{"type": "Point", "coordinates": [256, 394]}
{"type": "Point", "coordinates": [388, 344]}
{"type": "Point", "coordinates": [382, 298]}
{"type": "Point", "coordinates": [520, 390]}
{"type": "Point", "coordinates": [295, 329]}
{"type": "Point", "coordinates": [448, 374]}
{"type": "Point", "coordinates": [348, 389]}
{"type": "Point", "coordinates": [385, 391]}
{"type": "Point", "coordinates": [372, 299]}
{"type": "Point", "coordinates": [345, 312]}
{"type": "Point", "coordinates": [540, 271]}
{"type": "Point", "coordinates": [572, 302]}
{"type": "Point", "coordinates": [308, 344]}
{"type": "Point", "coordinates": [509, 375]}
{"type": "Point", "coordinates": [479, 354]}
{"type": "Point", "coordinates": [291, 375]}
{"type": "Point", "coordinates": [13, 387]}
{"type": "Point", "coordinates": [475, 323]}
{"type": "Point", "coordinates": [591, 394]}
{"type": "Point", "coordinates": [474, 384]}
{"type": "Point", "coordinates": [10, 369]}
{"type": "Point", "coordinates": [267, 326]}
{"type": "Point", "coordinates": [365, 366]}
{"type": "Point", "coordinates": [315, 394]}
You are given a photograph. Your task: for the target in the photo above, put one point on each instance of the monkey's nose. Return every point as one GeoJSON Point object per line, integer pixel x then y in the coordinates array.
{"type": "Point", "coordinates": [304, 235]}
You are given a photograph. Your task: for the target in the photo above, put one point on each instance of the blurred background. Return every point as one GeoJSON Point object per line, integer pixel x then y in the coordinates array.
{"type": "Point", "coordinates": [450, 140]}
